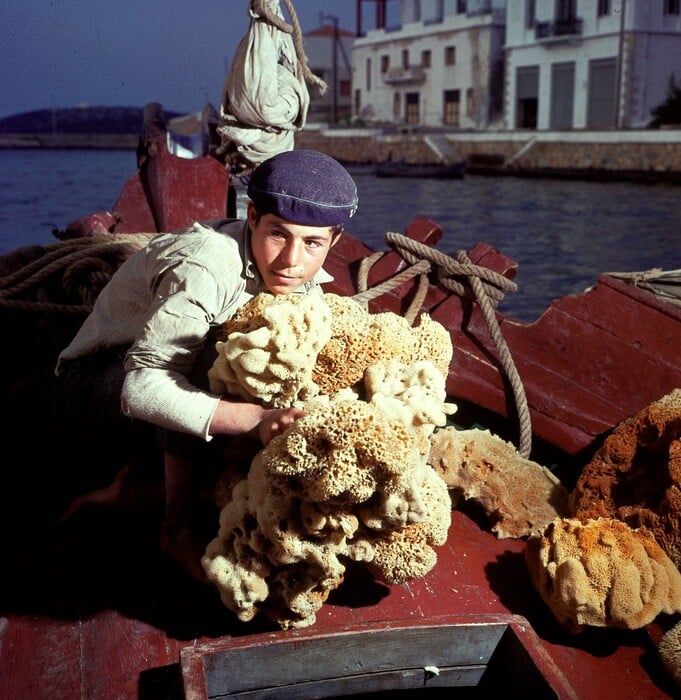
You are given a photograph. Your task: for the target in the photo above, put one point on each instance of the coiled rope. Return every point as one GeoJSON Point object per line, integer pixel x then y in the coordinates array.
{"type": "Point", "coordinates": [487, 287]}
{"type": "Point", "coordinates": [78, 268]}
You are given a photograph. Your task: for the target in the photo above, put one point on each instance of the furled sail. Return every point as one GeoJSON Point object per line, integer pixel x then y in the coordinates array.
{"type": "Point", "coordinates": [265, 96]}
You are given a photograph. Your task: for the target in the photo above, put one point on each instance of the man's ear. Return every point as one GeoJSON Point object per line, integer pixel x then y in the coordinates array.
{"type": "Point", "coordinates": [251, 213]}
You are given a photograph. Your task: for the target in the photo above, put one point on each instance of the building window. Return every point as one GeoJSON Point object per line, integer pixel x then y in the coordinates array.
{"type": "Point", "coordinates": [671, 7]}
{"type": "Point", "coordinates": [405, 58]}
{"type": "Point", "coordinates": [603, 8]}
{"type": "Point", "coordinates": [368, 75]}
{"type": "Point", "coordinates": [344, 88]}
{"type": "Point", "coordinates": [566, 9]}
{"type": "Point", "coordinates": [527, 97]}
{"type": "Point", "coordinates": [385, 64]}
{"type": "Point", "coordinates": [530, 13]}
{"type": "Point", "coordinates": [450, 108]}
{"type": "Point", "coordinates": [412, 116]}
{"type": "Point", "coordinates": [460, 7]}
{"type": "Point", "coordinates": [426, 58]}
{"type": "Point", "coordinates": [562, 95]}
{"type": "Point", "coordinates": [397, 105]}
{"type": "Point", "coordinates": [450, 55]}
{"type": "Point", "coordinates": [601, 108]}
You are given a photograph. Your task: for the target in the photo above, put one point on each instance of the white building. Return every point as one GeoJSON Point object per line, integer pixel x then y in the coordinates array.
{"type": "Point", "coordinates": [442, 67]}
{"type": "Point", "coordinates": [589, 64]}
{"type": "Point", "coordinates": [519, 64]}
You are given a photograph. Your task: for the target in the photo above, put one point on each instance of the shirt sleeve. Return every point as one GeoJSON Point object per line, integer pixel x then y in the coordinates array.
{"type": "Point", "coordinates": [187, 300]}
{"type": "Point", "coordinates": [169, 400]}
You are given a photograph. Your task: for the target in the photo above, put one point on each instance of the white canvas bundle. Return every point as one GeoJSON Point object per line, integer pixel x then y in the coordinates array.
{"type": "Point", "coordinates": [265, 98]}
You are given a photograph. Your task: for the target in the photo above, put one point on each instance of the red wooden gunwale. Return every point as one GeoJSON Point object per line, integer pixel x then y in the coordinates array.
{"type": "Point", "coordinates": [581, 362]}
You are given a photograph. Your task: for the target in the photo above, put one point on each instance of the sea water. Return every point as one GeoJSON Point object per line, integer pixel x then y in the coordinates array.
{"type": "Point", "coordinates": [562, 233]}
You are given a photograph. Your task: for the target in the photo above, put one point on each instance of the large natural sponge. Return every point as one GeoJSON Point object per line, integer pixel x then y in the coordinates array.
{"type": "Point", "coordinates": [270, 348]}
{"type": "Point", "coordinates": [519, 496]}
{"type": "Point", "coordinates": [636, 475]}
{"type": "Point", "coordinates": [345, 482]}
{"type": "Point", "coordinates": [342, 454]}
{"type": "Point", "coordinates": [669, 649]}
{"type": "Point", "coordinates": [360, 339]}
{"type": "Point", "coordinates": [602, 574]}
{"type": "Point", "coordinates": [285, 350]}
{"type": "Point", "coordinates": [415, 394]}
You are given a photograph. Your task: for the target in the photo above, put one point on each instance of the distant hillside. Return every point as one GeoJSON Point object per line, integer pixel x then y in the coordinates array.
{"type": "Point", "coordinates": [78, 120]}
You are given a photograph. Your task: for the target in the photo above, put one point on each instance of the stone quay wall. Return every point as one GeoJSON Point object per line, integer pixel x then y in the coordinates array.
{"type": "Point", "coordinates": [648, 153]}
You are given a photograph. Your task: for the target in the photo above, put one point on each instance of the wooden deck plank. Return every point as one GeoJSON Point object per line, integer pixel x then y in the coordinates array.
{"type": "Point", "coordinates": [139, 611]}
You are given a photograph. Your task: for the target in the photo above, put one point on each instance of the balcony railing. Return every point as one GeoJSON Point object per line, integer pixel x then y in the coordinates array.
{"type": "Point", "coordinates": [413, 74]}
{"type": "Point", "coordinates": [558, 28]}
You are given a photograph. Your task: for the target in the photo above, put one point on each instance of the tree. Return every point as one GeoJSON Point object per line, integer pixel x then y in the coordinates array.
{"type": "Point", "coordinates": [669, 111]}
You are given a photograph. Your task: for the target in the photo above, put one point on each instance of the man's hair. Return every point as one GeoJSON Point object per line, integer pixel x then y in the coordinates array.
{"type": "Point", "coordinates": [335, 230]}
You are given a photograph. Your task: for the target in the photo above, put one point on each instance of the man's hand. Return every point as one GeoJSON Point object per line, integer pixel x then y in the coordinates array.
{"type": "Point", "coordinates": [276, 421]}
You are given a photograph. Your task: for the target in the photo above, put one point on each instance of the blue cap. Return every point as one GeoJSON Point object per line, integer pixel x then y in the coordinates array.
{"type": "Point", "coordinates": [304, 187]}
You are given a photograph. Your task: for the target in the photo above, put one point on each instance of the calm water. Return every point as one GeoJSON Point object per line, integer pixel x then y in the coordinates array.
{"type": "Point", "coordinates": [563, 234]}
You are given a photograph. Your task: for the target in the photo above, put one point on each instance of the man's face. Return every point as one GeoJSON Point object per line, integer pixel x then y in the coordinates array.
{"type": "Point", "coordinates": [287, 255]}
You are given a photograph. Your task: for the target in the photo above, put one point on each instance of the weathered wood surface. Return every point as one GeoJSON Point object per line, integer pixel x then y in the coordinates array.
{"type": "Point", "coordinates": [491, 653]}
{"type": "Point", "coordinates": [92, 610]}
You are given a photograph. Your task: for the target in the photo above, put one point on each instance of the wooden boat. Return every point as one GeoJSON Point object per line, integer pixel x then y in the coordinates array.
{"type": "Point", "coordinates": [91, 607]}
{"type": "Point", "coordinates": [439, 171]}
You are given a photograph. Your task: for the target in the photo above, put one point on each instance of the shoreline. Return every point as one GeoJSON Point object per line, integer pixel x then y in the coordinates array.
{"type": "Point", "coordinates": [641, 156]}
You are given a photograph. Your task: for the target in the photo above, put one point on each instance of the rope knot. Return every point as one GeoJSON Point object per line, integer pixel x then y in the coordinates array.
{"type": "Point", "coordinates": [485, 286]}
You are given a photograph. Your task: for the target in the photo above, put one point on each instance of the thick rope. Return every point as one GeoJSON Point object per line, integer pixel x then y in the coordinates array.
{"type": "Point", "coordinates": [81, 267]}
{"type": "Point", "coordinates": [494, 284]}
{"type": "Point", "coordinates": [421, 268]}
{"type": "Point", "coordinates": [487, 294]}
{"type": "Point", "coordinates": [262, 9]}
{"type": "Point", "coordinates": [525, 438]}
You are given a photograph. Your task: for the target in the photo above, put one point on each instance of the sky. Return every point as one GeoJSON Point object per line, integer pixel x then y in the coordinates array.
{"type": "Point", "coordinates": [65, 53]}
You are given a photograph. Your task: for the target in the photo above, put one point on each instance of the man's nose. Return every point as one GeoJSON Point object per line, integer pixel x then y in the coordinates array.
{"type": "Point", "coordinates": [292, 252]}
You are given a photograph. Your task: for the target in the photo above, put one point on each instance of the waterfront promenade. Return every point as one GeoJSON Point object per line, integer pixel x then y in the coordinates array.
{"type": "Point", "coordinates": [645, 155]}
{"type": "Point", "coordinates": [640, 154]}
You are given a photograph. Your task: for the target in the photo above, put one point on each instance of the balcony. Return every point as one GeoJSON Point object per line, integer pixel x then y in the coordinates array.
{"type": "Point", "coordinates": [558, 29]}
{"type": "Point", "coordinates": [397, 76]}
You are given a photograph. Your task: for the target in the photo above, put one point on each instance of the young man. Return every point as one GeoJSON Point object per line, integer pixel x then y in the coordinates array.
{"type": "Point", "coordinates": [140, 359]}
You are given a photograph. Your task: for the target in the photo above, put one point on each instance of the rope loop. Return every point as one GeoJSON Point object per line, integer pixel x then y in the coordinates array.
{"type": "Point", "coordinates": [494, 284]}
{"type": "Point", "coordinates": [483, 285]}
{"type": "Point", "coordinates": [75, 270]}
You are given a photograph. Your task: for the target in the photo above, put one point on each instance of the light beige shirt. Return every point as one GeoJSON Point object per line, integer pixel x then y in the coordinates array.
{"type": "Point", "coordinates": [161, 303]}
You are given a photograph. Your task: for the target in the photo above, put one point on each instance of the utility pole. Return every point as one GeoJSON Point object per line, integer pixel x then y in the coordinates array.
{"type": "Point", "coordinates": [334, 68]}
{"type": "Point", "coordinates": [620, 68]}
